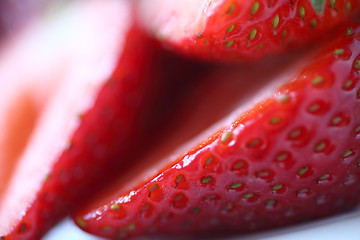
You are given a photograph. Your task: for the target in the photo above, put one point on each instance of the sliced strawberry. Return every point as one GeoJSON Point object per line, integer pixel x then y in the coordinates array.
{"type": "Point", "coordinates": [291, 157]}
{"type": "Point", "coordinates": [68, 122]}
{"type": "Point", "coordinates": [238, 30]}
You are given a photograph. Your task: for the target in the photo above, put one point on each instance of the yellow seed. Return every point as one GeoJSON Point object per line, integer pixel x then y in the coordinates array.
{"type": "Point", "coordinates": [228, 207]}
{"type": "Point", "coordinates": [348, 6]}
{"type": "Point", "coordinates": [208, 160]}
{"type": "Point", "coordinates": [357, 64]}
{"type": "Point", "coordinates": [283, 98]}
{"type": "Point", "coordinates": [248, 195]}
{"type": "Point", "coordinates": [131, 227]}
{"type": "Point", "coordinates": [314, 108]}
{"type": "Point", "coordinates": [230, 28]}
{"type": "Point", "coordinates": [357, 130]}
{"type": "Point", "coordinates": [276, 21]}
{"type": "Point", "coordinates": [313, 23]}
{"type": "Point", "coordinates": [324, 177]}
{"type": "Point", "coordinates": [106, 228]}
{"type": "Point", "coordinates": [320, 146]}
{"type": "Point", "coordinates": [303, 170]}
{"type": "Point", "coordinates": [231, 9]}
{"type": "Point", "coordinates": [339, 51]}
{"type": "Point", "coordinates": [301, 11]}
{"type": "Point", "coordinates": [347, 153]}
{"type": "Point", "coordinates": [277, 186]}
{"type": "Point", "coordinates": [348, 84]}
{"type": "Point", "coordinates": [81, 222]}
{"type": "Point", "coordinates": [236, 185]}
{"type": "Point", "coordinates": [270, 202]}
{"type": "Point", "coordinates": [294, 134]}
{"type": "Point", "coordinates": [275, 120]}
{"type": "Point", "coordinates": [179, 178]}
{"type": "Point", "coordinates": [263, 173]}
{"type": "Point", "coordinates": [302, 191]}
{"type": "Point", "coordinates": [336, 120]}
{"type": "Point", "coordinates": [238, 164]}
{"type": "Point", "coordinates": [229, 43]}
{"type": "Point", "coordinates": [317, 80]}
{"type": "Point", "coordinates": [332, 3]}
{"type": "Point", "coordinates": [349, 31]}
{"type": "Point", "coordinates": [252, 34]}
{"type": "Point", "coordinates": [179, 197]}
{"type": "Point", "coordinates": [225, 137]}
{"type": "Point", "coordinates": [206, 179]}
{"type": "Point", "coordinates": [115, 207]}
{"type": "Point", "coordinates": [253, 143]}
{"type": "Point", "coordinates": [254, 8]}
{"type": "Point", "coordinates": [153, 187]}
{"type": "Point", "coordinates": [282, 156]}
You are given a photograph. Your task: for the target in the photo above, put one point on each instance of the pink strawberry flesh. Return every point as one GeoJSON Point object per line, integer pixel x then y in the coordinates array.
{"type": "Point", "coordinates": [242, 30]}
{"type": "Point", "coordinates": [68, 116]}
{"type": "Point", "coordinates": [286, 153]}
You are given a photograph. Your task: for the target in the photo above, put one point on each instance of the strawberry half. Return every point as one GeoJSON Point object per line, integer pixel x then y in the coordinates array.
{"type": "Point", "coordinates": [241, 30]}
{"type": "Point", "coordinates": [67, 121]}
{"type": "Point", "coordinates": [292, 156]}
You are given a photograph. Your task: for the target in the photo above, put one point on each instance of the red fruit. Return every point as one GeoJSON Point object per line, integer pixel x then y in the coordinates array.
{"type": "Point", "coordinates": [66, 123]}
{"type": "Point", "coordinates": [238, 30]}
{"type": "Point", "coordinates": [292, 157]}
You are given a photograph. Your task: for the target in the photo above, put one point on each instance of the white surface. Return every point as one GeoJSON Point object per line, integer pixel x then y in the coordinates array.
{"type": "Point", "coordinates": [345, 226]}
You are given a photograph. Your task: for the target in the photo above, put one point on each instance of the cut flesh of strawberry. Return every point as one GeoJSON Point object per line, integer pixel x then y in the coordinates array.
{"type": "Point", "coordinates": [51, 74]}
{"type": "Point", "coordinates": [265, 165]}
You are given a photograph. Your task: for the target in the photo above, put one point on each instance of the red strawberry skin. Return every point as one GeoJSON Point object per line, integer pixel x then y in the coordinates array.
{"type": "Point", "coordinates": [293, 157]}
{"type": "Point", "coordinates": [240, 30]}
{"type": "Point", "coordinates": [105, 134]}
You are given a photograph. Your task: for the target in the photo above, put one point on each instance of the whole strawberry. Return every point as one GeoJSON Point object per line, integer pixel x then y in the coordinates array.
{"type": "Point", "coordinates": [289, 158]}
{"type": "Point", "coordinates": [242, 30]}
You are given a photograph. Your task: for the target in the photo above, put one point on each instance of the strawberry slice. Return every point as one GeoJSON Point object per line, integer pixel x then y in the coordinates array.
{"type": "Point", "coordinates": [67, 121]}
{"type": "Point", "coordinates": [286, 155]}
{"type": "Point", "coordinates": [240, 30]}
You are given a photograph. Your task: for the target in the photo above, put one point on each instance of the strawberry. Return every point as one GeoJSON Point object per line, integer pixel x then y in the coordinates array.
{"type": "Point", "coordinates": [239, 30]}
{"type": "Point", "coordinates": [291, 156]}
{"type": "Point", "coordinates": [67, 124]}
